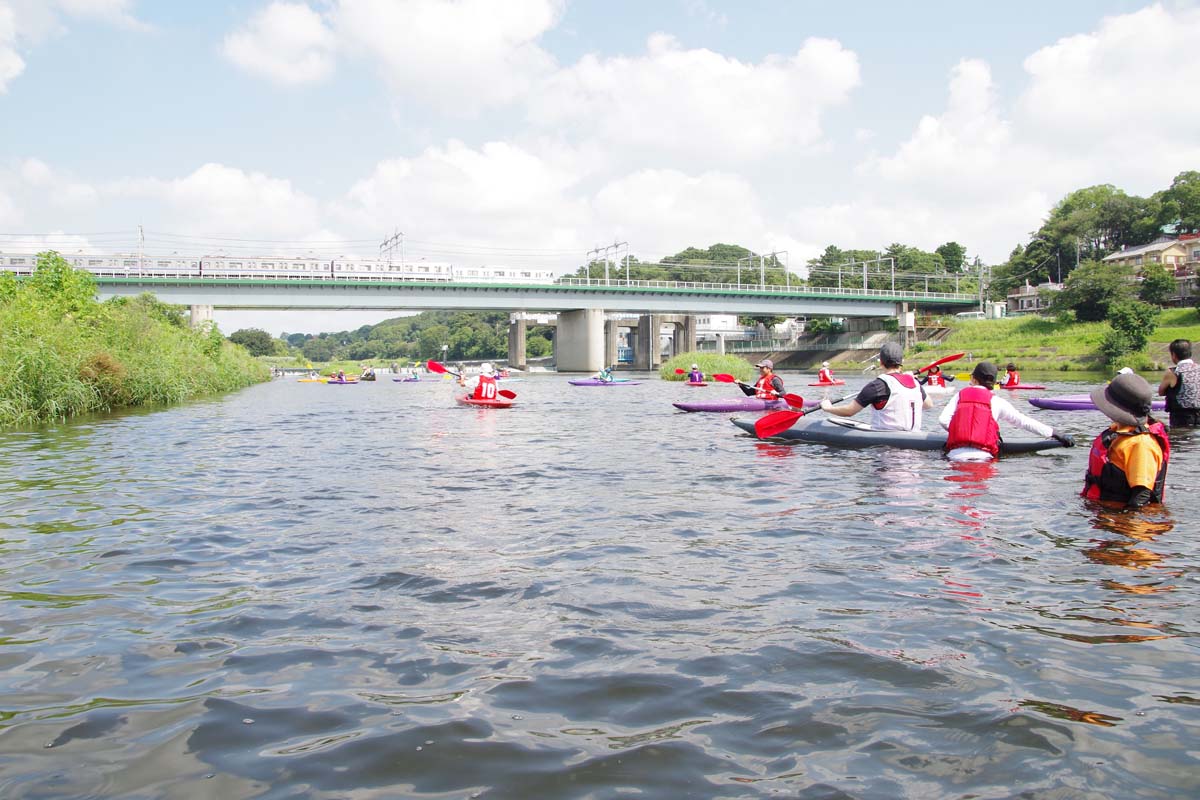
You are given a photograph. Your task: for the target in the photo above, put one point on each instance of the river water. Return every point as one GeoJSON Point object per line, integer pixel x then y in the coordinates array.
{"type": "Point", "coordinates": [367, 592]}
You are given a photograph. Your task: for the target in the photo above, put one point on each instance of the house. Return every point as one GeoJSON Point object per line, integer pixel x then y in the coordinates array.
{"type": "Point", "coordinates": [1031, 299]}
{"type": "Point", "coordinates": [1172, 253]}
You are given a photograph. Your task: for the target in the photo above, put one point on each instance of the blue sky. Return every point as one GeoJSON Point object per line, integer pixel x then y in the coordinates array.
{"type": "Point", "coordinates": [531, 130]}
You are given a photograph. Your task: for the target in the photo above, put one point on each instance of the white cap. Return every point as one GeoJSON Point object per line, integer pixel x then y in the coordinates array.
{"type": "Point", "coordinates": [824, 363]}
{"type": "Point", "coordinates": [695, 366]}
{"type": "Point", "coordinates": [486, 368]}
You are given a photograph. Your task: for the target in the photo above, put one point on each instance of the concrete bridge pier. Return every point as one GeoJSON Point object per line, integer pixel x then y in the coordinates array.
{"type": "Point", "coordinates": [684, 336]}
{"type": "Point", "coordinates": [516, 342]}
{"type": "Point", "coordinates": [720, 344]}
{"type": "Point", "coordinates": [200, 315]}
{"type": "Point", "coordinates": [647, 353]}
{"type": "Point", "coordinates": [579, 342]}
{"type": "Point", "coordinates": [612, 331]}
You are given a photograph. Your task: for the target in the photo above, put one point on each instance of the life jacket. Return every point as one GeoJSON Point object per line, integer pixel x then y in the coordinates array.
{"type": "Point", "coordinates": [763, 388]}
{"type": "Point", "coordinates": [825, 375]}
{"type": "Point", "coordinates": [696, 376]}
{"type": "Point", "coordinates": [902, 409]}
{"type": "Point", "coordinates": [1014, 379]}
{"type": "Point", "coordinates": [486, 389]}
{"type": "Point", "coordinates": [973, 424]}
{"type": "Point", "coordinates": [937, 379]}
{"type": "Point", "coordinates": [1103, 481]}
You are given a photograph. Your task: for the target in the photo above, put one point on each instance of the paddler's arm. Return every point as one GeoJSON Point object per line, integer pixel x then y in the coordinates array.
{"type": "Point", "coordinates": [1169, 379]}
{"type": "Point", "coordinates": [847, 409]}
{"type": "Point", "coordinates": [948, 412]}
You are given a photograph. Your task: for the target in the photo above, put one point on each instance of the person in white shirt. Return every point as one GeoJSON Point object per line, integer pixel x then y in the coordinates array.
{"type": "Point", "coordinates": [973, 417]}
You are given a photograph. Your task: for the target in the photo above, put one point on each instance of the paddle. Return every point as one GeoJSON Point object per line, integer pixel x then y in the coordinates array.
{"type": "Point", "coordinates": [679, 371]}
{"type": "Point", "coordinates": [777, 422]}
{"type": "Point", "coordinates": [941, 361]}
{"type": "Point", "coordinates": [793, 400]}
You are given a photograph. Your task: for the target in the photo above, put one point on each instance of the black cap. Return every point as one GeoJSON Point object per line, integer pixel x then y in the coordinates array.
{"type": "Point", "coordinates": [891, 355]}
{"type": "Point", "coordinates": [985, 371]}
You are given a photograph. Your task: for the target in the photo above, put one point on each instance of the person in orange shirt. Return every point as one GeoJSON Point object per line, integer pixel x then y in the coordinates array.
{"type": "Point", "coordinates": [1128, 462]}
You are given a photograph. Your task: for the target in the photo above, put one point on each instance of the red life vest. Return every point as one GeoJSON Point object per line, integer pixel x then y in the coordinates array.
{"type": "Point", "coordinates": [825, 375]}
{"type": "Point", "coordinates": [973, 424]}
{"type": "Point", "coordinates": [763, 388]}
{"type": "Point", "coordinates": [1103, 481]}
{"type": "Point", "coordinates": [1014, 379]}
{"type": "Point", "coordinates": [486, 390]}
{"type": "Point", "coordinates": [936, 379]}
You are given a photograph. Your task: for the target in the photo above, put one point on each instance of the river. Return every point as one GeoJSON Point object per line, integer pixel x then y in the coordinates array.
{"type": "Point", "coordinates": [367, 592]}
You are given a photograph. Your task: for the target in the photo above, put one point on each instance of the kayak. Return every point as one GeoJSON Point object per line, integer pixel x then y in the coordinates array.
{"type": "Point", "coordinates": [836, 382]}
{"type": "Point", "coordinates": [336, 382]}
{"type": "Point", "coordinates": [598, 382]}
{"type": "Point", "coordinates": [1020, 386]}
{"type": "Point", "coordinates": [311, 380]}
{"type": "Point", "coordinates": [1078, 402]}
{"type": "Point", "coordinates": [499, 402]}
{"type": "Point", "coordinates": [366, 377]}
{"type": "Point", "coordinates": [406, 380]}
{"type": "Point", "coordinates": [851, 433]}
{"type": "Point", "coordinates": [695, 383]}
{"type": "Point", "coordinates": [733, 404]}
{"type": "Point", "coordinates": [935, 391]}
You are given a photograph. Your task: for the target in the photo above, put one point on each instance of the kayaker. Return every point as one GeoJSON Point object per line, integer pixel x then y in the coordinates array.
{"type": "Point", "coordinates": [1128, 462]}
{"type": "Point", "coordinates": [341, 375]}
{"type": "Point", "coordinates": [483, 385]}
{"type": "Point", "coordinates": [768, 386]}
{"type": "Point", "coordinates": [695, 376]}
{"type": "Point", "coordinates": [935, 377]}
{"type": "Point", "coordinates": [825, 374]}
{"type": "Point", "coordinates": [1011, 376]}
{"type": "Point", "coordinates": [973, 417]}
{"type": "Point", "coordinates": [605, 375]}
{"type": "Point", "coordinates": [895, 397]}
{"type": "Point", "coordinates": [1181, 386]}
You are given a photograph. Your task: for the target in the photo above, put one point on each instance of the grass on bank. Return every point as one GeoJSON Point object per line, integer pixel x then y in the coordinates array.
{"type": "Point", "coordinates": [709, 363]}
{"type": "Point", "coordinates": [64, 353]}
{"type": "Point", "coordinates": [1056, 344]}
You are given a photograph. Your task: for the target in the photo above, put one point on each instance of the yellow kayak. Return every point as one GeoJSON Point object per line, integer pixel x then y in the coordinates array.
{"type": "Point", "coordinates": [311, 380]}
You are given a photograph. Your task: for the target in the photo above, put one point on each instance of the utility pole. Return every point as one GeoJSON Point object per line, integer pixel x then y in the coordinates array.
{"type": "Point", "coordinates": [390, 245]}
{"type": "Point", "coordinates": [141, 247]}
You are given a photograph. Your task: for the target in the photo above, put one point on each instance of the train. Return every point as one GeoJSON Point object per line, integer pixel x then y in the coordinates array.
{"type": "Point", "coordinates": [281, 268]}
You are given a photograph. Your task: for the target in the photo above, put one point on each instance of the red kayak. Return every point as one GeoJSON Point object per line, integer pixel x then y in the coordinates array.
{"type": "Point", "coordinates": [829, 383]}
{"type": "Point", "coordinates": [1014, 387]}
{"type": "Point", "coordinates": [695, 383]}
{"type": "Point", "coordinates": [499, 402]}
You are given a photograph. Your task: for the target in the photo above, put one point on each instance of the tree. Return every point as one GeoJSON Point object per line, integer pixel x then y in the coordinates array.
{"type": "Point", "coordinates": [1181, 203]}
{"type": "Point", "coordinates": [72, 290]}
{"type": "Point", "coordinates": [953, 255]}
{"type": "Point", "coordinates": [1158, 284]}
{"type": "Point", "coordinates": [258, 342]}
{"type": "Point", "coordinates": [1131, 323]}
{"type": "Point", "coordinates": [1091, 289]}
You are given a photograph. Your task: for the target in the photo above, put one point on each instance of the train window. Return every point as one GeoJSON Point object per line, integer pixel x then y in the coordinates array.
{"type": "Point", "coordinates": [526, 275]}
{"type": "Point", "coordinates": [267, 265]}
{"type": "Point", "coordinates": [128, 263]}
{"type": "Point", "coordinates": [16, 262]}
{"type": "Point", "coordinates": [235, 264]}
{"type": "Point", "coordinates": [95, 262]}
{"type": "Point", "coordinates": [164, 264]}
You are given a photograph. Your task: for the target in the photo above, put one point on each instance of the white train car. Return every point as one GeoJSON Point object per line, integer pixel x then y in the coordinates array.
{"type": "Point", "coordinates": [263, 267]}
{"type": "Point", "coordinates": [497, 273]}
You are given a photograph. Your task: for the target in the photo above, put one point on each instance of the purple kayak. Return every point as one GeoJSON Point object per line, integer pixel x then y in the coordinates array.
{"type": "Point", "coordinates": [597, 382]}
{"type": "Point", "coordinates": [1077, 402]}
{"type": "Point", "coordinates": [732, 404]}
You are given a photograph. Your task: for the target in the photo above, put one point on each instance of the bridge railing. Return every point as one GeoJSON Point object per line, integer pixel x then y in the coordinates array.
{"type": "Point", "coordinates": [775, 345]}
{"type": "Point", "coordinates": [828, 291]}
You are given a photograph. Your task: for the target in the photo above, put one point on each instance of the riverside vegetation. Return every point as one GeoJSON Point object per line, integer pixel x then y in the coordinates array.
{"type": "Point", "coordinates": [62, 352]}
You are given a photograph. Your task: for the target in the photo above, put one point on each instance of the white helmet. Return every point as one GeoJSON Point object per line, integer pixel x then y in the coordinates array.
{"type": "Point", "coordinates": [486, 368]}
{"type": "Point", "coordinates": [824, 363]}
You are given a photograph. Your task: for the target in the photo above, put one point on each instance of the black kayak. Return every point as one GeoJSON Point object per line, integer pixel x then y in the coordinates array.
{"type": "Point", "coordinates": [850, 433]}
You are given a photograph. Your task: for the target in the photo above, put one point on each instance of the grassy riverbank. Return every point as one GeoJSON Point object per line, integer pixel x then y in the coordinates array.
{"type": "Point", "coordinates": [64, 353]}
{"type": "Point", "coordinates": [1038, 343]}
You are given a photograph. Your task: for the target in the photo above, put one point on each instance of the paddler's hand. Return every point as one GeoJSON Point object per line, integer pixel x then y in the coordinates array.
{"type": "Point", "coordinates": [826, 404]}
{"type": "Point", "coordinates": [1065, 439]}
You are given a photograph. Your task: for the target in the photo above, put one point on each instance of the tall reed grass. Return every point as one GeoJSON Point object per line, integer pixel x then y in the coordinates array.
{"type": "Point", "coordinates": [63, 353]}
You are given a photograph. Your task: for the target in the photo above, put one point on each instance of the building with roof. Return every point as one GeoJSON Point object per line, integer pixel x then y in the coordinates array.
{"type": "Point", "coordinates": [1172, 253]}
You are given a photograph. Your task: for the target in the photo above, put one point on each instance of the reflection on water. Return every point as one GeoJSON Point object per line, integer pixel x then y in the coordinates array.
{"type": "Point", "coordinates": [311, 591]}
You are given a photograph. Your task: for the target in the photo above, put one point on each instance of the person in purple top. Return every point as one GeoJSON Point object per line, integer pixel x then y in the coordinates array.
{"type": "Point", "coordinates": [695, 376]}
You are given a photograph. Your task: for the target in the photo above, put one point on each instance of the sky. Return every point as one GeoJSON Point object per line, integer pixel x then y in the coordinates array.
{"type": "Point", "coordinates": [530, 131]}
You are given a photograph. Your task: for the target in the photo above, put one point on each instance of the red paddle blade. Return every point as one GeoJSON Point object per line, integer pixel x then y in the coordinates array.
{"type": "Point", "coordinates": [794, 400]}
{"type": "Point", "coordinates": [679, 371]}
{"type": "Point", "coordinates": [434, 366]}
{"type": "Point", "coordinates": [775, 423]}
{"type": "Point", "coordinates": [509, 393]}
{"type": "Point", "coordinates": [722, 377]}
{"type": "Point", "coordinates": [941, 361]}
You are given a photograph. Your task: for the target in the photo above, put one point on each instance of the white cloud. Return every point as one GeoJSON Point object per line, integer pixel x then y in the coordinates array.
{"type": "Point", "coordinates": [113, 11]}
{"type": "Point", "coordinates": [679, 103]}
{"type": "Point", "coordinates": [11, 63]}
{"type": "Point", "coordinates": [285, 42]}
{"type": "Point", "coordinates": [459, 56]}
{"type": "Point", "coordinates": [217, 199]}
{"type": "Point", "coordinates": [499, 194]}
{"type": "Point", "coordinates": [1121, 95]}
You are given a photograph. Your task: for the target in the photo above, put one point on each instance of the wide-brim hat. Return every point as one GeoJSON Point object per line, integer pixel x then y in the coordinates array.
{"type": "Point", "coordinates": [1126, 400]}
